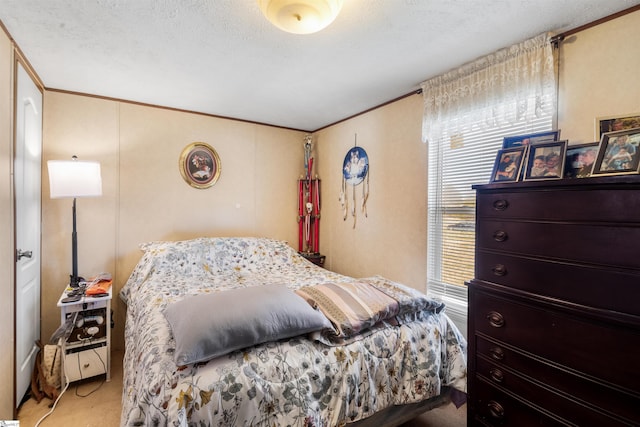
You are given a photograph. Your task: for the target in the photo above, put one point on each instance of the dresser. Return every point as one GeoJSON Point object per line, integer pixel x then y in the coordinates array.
{"type": "Point", "coordinates": [554, 307]}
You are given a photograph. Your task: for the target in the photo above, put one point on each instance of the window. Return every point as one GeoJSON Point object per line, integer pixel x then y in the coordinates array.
{"type": "Point", "coordinates": [453, 168]}
{"type": "Point", "coordinates": [467, 114]}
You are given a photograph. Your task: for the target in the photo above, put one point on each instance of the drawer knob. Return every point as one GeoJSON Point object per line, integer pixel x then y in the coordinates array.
{"type": "Point", "coordinates": [85, 366]}
{"type": "Point", "coordinates": [496, 375]}
{"type": "Point", "coordinates": [495, 409]}
{"type": "Point", "coordinates": [499, 270]}
{"type": "Point", "coordinates": [496, 353]}
{"type": "Point", "coordinates": [499, 235]}
{"type": "Point", "coordinates": [500, 204]}
{"type": "Point", "coordinates": [495, 319]}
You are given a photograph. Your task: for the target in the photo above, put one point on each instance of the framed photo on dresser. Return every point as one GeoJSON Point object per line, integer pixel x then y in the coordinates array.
{"type": "Point", "coordinates": [508, 165]}
{"type": "Point", "coordinates": [546, 160]}
{"type": "Point", "coordinates": [616, 123]}
{"type": "Point", "coordinates": [532, 138]}
{"type": "Point", "coordinates": [619, 153]}
{"type": "Point", "coordinates": [580, 160]}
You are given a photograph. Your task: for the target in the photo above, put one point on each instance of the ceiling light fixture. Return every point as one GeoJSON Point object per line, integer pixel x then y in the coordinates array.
{"type": "Point", "coordinates": [300, 16]}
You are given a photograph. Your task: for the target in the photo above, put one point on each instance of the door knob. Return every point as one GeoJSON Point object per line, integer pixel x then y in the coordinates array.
{"type": "Point", "coordinates": [23, 254]}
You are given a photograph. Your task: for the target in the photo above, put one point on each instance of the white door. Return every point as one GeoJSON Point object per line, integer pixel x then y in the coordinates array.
{"type": "Point", "coordinates": [27, 171]}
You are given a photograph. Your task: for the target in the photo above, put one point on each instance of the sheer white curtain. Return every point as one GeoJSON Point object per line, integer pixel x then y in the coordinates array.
{"type": "Point", "coordinates": [467, 112]}
{"type": "Point", "coordinates": [492, 90]}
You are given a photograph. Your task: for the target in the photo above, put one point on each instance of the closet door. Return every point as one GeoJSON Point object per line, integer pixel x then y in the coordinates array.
{"type": "Point", "coordinates": [27, 186]}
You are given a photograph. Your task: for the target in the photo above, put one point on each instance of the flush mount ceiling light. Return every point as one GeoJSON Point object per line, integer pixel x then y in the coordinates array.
{"type": "Point", "coordinates": [300, 16]}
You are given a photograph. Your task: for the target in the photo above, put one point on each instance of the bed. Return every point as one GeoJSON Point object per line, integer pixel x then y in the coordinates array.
{"type": "Point", "coordinates": [183, 367]}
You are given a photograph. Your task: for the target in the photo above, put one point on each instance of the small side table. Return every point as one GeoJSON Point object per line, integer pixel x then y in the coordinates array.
{"type": "Point", "coordinates": [87, 350]}
{"type": "Point", "coordinates": [314, 257]}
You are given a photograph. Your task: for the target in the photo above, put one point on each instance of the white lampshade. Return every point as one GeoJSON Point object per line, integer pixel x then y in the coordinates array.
{"type": "Point", "coordinates": [74, 178]}
{"type": "Point", "coordinates": [300, 16]}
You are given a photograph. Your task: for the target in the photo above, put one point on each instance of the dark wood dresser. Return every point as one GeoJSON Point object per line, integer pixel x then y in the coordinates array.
{"type": "Point", "coordinates": [554, 308]}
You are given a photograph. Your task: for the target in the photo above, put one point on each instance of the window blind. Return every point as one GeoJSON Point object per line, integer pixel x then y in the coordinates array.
{"type": "Point", "coordinates": [455, 164]}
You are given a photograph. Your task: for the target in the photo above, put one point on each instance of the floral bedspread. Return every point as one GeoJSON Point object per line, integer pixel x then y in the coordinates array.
{"type": "Point", "coordinates": [292, 382]}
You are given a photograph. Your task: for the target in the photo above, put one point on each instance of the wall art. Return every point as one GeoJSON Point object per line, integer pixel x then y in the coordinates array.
{"type": "Point", "coordinates": [199, 165]}
{"type": "Point", "coordinates": [355, 171]}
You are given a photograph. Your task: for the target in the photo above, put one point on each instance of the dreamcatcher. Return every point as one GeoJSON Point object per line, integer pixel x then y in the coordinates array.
{"type": "Point", "coordinates": [355, 171]}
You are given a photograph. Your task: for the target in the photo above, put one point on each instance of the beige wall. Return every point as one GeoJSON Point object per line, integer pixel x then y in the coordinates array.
{"type": "Point", "coordinates": [146, 199]}
{"type": "Point", "coordinates": [144, 196]}
{"type": "Point", "coordinates": [392, 239]}
{"type": "Point", "coordinates": [599, 70]}
{"type": "Point", "coordinates": [6, 230]}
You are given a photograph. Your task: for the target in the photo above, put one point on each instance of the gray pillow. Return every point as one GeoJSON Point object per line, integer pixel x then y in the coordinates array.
{"type": "Point", "coordinates": [211, 325]}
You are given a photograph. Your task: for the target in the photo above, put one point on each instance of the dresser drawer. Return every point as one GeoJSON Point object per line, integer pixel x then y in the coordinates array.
{"type": "Point", "coordinates": [594, 348]}
{"type": "Point", "coordinates": [602, 288]}
{"type": "Point", "coordinates": [519, 373]}
{"type": "Point", "coordinates": [599, 245]}
{"type": "Point", "coordinates": [532, 398]}
{"type": "Point", "coordinates": [87, 363]}
{"type": "Point", "coordinates": [492, 407]}
{"type": "Point", "coordinates": [619, 205]}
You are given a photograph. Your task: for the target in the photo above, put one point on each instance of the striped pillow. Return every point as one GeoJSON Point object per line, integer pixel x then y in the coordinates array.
{"type": "Point", "coordinates": [351, 307]}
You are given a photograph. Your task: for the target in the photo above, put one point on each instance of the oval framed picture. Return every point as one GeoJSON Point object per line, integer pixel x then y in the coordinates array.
{"type": "Point", "coordinates": [199, 165]}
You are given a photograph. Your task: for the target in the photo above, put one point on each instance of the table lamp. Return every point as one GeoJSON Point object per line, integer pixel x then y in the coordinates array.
{"type": "Point", "coordinates": [72, 179]}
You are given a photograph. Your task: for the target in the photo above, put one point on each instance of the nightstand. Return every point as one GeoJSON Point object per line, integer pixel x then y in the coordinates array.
{"type": "Point", "coordinates": [314, 257]}
{"type": "Point", "coordinates": [87, 350]}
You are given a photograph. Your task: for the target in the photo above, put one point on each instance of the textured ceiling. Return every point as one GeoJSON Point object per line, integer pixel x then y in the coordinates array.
{"type": "Point", "coordinates": [222, 57]}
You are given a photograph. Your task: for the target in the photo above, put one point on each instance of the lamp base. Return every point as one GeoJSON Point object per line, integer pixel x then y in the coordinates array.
{"type": "Point", "coordinates": [74, 282]}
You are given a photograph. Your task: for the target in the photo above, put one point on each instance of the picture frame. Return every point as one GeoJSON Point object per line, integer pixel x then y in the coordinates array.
{"type": "Point", "coordinates": [619, 153]}
{"type": "Point", "coordinates": [580, 159]}
{"type": "Point", "coordinates": [508, 164]}
{"type": "Point", "coordinates": [199, 165]}
{"type": "Point", "coordinates": [546, 160]}
{"type": "Point", "coordinates": [616, 123]}
{"type": "Point", "coordinates": [524, 140]}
